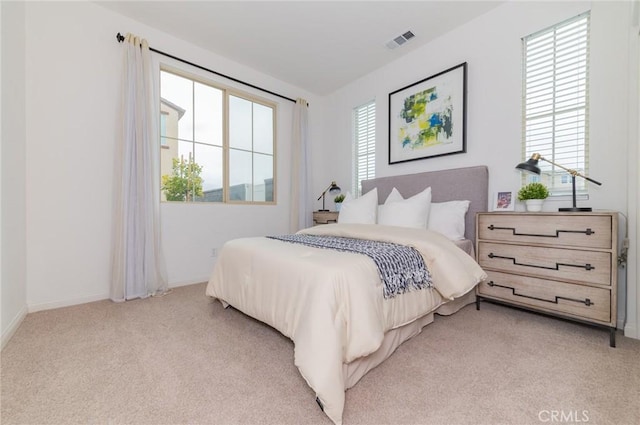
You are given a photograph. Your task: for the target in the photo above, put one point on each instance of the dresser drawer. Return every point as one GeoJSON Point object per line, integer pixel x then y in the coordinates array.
{"type": "Point", "coordinates": [556, 263]}
{"type": "Point", "coordinates": [577, 300]}
{"type": "Point", "coordinates": [325, 217]}
{"type": "Point", "coordinates": [578, 230]}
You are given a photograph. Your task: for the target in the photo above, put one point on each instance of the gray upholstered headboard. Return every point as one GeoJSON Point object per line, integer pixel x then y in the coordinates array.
{"type": "Point", "coordinates": [469, 183]}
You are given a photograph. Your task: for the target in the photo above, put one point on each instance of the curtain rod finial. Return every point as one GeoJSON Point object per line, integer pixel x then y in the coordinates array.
{"type": "Point", "coordinates": [119, 37]}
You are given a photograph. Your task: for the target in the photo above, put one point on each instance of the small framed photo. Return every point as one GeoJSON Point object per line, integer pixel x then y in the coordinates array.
{"type": "Point", "coordinates": [504, 201]}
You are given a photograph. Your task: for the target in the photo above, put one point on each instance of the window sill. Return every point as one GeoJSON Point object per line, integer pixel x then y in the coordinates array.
{"type": "Point", "coordinates": [565, 197]}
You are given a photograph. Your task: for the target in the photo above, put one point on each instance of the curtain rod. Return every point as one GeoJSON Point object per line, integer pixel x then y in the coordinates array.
{"type": "Point", "coordinates": [120, 39]}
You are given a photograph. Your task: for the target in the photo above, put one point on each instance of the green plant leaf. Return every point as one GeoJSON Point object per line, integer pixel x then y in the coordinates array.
{"type": "Point", "coordinates": [533, 191]}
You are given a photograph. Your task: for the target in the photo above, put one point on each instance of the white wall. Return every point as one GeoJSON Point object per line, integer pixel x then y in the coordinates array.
{"type": "Point", "coordinates": [70, 93]}
{"type": "Point", "coordinates": [491, 45]}
{"type": "Point", "coordinates": [14, 306]}
{"type": "Point", "coordinates": [2, 326]}
{"type": "Point", "coordinates": [73, 74]}
{"type": "Point", "coordinates": [632, 328]}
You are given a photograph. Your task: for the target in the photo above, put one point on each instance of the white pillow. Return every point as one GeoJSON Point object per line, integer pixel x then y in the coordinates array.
{"type": "Point", "coordinates": [412, 212]}
{"type": "Point", "coordinates": [359, 210]}
{"type": "Point", "coordinates": [394, 196]}
{"type": "Point", "coordinates": [448, 218]}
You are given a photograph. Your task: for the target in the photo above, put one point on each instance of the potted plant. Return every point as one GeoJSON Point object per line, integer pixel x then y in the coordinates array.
{"type": "Point", "coordinates": [533, 194]}
{"type": "Point", "coordinates": [338, 200]}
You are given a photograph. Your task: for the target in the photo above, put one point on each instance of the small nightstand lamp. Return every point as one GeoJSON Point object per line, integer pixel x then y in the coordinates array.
{"type": "Point", "coordinates": [332, 189]}
{"type": "Point", "coordinates": [531, 166]}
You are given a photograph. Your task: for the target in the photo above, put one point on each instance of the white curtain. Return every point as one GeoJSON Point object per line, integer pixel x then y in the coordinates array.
{"type": "Point", "coordinates": [138, 265]}
{"type": "Point", "coordinates": [301, 211]}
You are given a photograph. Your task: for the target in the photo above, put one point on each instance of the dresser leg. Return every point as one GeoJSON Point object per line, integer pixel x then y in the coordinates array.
{"type": "Point", "coordinates": [477, 302]}
{"type": "Point", "coordinates": [612, 337]}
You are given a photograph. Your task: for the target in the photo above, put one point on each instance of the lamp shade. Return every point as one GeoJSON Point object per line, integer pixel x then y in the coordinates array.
{"type": "Point", "coordinates": [530, 165]}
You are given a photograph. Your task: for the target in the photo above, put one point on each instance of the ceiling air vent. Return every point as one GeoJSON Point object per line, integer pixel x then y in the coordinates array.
{"type": "Point", "coordinates": [400, 40]}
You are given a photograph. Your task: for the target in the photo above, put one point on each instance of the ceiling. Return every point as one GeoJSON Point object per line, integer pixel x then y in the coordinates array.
{"type": "Point", "coordinates": [318, 46]}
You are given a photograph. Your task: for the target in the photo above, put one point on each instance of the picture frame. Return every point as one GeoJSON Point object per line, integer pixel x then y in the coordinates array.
{"type": "Point", "coordinates": [428, 118]}
{"type": "Point", "coordinates": [504, 200]}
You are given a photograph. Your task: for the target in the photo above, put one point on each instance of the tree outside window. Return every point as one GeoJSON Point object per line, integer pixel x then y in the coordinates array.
{"type": "Point", "coordinates": [184, 184]}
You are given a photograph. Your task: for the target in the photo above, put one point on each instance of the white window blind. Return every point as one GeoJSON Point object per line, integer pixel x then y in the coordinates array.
{"type": "Point", "coordinates": [556, 101]}
{"type": "Point", "coordinates": [364, 144]}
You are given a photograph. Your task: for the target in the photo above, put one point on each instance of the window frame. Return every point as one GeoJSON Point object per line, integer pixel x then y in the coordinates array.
{"type": "Point", "coordinates": [356, 181]}
{"type": "Point", "coordinates": [226, 92]}
{"type": "Point", "coordinates": [554, 176]}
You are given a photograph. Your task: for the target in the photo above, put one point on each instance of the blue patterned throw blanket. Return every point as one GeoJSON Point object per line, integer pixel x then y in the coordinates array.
{"type": "Point", "coordinates": [401, 268]}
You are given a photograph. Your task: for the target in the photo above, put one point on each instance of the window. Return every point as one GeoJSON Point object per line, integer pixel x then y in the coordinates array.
{"type": "Point", "coordinates": [556, 101]}
{"type": "Point", "coordinates": [163, 128]}
{"type": "Point", "coordinates": [364, 144]}
{"type": "Point", "coordinates": [217, 145]}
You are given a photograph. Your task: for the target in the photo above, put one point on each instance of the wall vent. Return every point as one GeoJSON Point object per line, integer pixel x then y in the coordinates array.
{"type": "Point", "coordinates": [400, 40]}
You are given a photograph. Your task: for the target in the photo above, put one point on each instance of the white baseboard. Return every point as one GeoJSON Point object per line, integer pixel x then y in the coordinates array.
{"type": "Point", "coordinates": [188, 282]}
{"type": "Point", "coordinates": [13, 326]}
{"type": "Point", "coordinates": [32, 308]}
{"type": "Point", "coordinates": [66, 303]}
{"type": "Point", "coordinates": [631, 331]}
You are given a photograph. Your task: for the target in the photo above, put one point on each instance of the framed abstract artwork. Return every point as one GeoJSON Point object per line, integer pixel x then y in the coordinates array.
{"type": "Point", "coordinates": [428, 118]}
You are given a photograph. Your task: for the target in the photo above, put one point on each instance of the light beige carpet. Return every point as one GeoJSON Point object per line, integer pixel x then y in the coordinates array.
{"type": "Point", "coordinates": [183, 359]}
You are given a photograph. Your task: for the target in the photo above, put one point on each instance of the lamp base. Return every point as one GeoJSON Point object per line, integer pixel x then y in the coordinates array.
{"type": "Point", "coordinates": [323, 210]}
{"type": "Point", "coordinates": [576, 209]}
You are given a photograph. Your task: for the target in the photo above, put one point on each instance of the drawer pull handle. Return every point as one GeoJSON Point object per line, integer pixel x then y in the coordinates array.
{"type": "Point", "coordinates": [587, 232]}
{"type": "Point", "coordinates": [587, 267]}
{"type": "Point", "coordinates": [586, 301]}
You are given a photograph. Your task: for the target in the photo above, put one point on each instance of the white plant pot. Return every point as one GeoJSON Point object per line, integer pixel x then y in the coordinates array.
{"type": "Point", "coordinates": [534, 205]}
{"type": "Point", "coordinates": [338, 205]}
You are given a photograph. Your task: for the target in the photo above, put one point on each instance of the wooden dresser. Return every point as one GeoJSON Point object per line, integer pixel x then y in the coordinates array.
{"type": "Point", "coordinates": [563, 263]}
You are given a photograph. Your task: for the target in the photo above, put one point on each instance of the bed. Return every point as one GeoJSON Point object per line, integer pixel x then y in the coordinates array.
{"type": "Point", "coordinates": [331, 303]}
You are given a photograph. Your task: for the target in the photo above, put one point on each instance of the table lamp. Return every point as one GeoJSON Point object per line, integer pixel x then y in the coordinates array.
{"type": "Point", "coordinates": [531, 166]}
{"type": "Point", "coordinates": [333, 189]}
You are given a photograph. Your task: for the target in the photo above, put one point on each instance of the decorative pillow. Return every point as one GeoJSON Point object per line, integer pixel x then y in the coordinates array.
{"type": "Point", "coordinates": [412, 212]}
{"type": "Point", "coordinates": [394, 196]}
{"type": "Point", "coordinates": [448, 218]}
{"type": "Point", "coordinates": [359, 210]}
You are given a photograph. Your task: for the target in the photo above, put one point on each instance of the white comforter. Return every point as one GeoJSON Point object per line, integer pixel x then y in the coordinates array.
{"type": "Point", "coordinates": [330, 303]}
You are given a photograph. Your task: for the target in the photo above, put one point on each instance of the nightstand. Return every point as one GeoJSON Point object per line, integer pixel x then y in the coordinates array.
{"type": "Point", "coordinates": [562, 264]}
{"type": "Point", "coordinates": [325, 217]}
